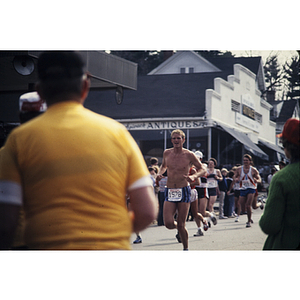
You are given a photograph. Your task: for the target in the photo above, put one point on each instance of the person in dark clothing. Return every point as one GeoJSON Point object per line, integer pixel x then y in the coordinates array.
{"type": "Point", "coordinates": [223, 190]}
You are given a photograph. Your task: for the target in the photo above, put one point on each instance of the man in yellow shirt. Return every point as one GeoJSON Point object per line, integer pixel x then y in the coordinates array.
{"type": "Point", "coordinates": [71, 169]}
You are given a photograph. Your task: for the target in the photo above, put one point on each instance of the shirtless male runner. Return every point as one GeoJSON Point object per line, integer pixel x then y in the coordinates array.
{"type": "Point", "coordinates": [177, 161]}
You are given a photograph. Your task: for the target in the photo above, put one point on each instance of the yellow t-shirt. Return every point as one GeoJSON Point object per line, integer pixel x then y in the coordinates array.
{"type": "Point", "coordinates": [75, 167]}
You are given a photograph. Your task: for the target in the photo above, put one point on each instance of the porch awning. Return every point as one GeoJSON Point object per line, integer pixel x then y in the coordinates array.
{"type": "Point", "coordinates": [273, 147]}
{"type": "Point", "coordinates": [19, 70]}
{"type": "Point", "coordinates": [246, 141]}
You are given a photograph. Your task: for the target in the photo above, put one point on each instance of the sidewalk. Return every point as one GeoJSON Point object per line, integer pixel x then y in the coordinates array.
{"type": "Point", "coordinates": [226, 235]}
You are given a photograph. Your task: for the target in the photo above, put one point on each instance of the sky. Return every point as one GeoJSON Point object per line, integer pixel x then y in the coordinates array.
{"type": "Point", "coordinates": [282, 55]}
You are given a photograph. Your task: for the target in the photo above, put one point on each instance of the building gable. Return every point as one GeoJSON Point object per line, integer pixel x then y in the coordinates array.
{"type": "Point", "coordinates": [184, 62]}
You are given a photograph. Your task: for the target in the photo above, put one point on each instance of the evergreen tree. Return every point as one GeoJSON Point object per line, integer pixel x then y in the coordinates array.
{"type": "Point", "coordinates": [292, 76]}
{"type": "Point", "coordinates": [214, 53]}
{"type": "Point", "coordinates": [146, 60]}
{"type": "Point", "coordinates": [273, 74]}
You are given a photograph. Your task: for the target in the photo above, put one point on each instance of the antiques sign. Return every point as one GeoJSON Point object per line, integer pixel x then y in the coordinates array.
{"type": "Point", "coordinates": [159, 125]}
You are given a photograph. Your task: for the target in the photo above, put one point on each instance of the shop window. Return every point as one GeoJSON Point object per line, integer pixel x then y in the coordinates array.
{"type": "Point", "coordinates": [235, 106]}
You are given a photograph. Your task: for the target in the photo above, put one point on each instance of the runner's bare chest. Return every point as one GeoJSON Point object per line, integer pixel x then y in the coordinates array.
{"type": "Point", "coordinates": [178, 164]}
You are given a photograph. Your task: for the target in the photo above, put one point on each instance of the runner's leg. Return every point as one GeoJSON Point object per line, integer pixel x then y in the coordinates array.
{"type": "Point", "coordinates": [183, 209]}
{"type": "Point", "coordinates": [194, 208]}
{"type": "Point", "coordinates": [212, 200]}
{"type": "Point", "coordinates": [169, 212]}
{"type": "Point", "coordinates": [249, 201]}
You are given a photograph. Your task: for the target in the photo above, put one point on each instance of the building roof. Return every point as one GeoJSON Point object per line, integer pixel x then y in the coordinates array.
{"type": "Point", "coordinates": [167, 95]}
{"type": "Point", "coordinates": [287, 110]}
{"type": "Point", "coordinates": [226, 63]}
{"type": "Point", "coordinates": [157, 96]}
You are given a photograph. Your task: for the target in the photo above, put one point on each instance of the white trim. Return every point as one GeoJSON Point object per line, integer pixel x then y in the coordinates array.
{"type": "Point", "coordinates": [142, 182]}
{"type": "Point", "coordinates": [10, 192]}
{"type": "Point", "coordinates": [162, 119]}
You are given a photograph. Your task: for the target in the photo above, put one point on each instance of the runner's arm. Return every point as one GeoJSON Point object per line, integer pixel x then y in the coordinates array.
{"type": "Point", "coordinates": [197, 180]}
{"type": "Point", "coordinates": [201, 170]}
{"type": "Point", "coordinates": [143, 203]}
{"type": "Point", "coordinates": [219, 175]}
{"type": "Point", "coordinates": [162, 169]}
{"type": "Point", "coordinates": [256, 176]}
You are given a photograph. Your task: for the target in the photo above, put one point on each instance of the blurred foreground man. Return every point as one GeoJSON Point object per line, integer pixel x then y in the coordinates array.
{"type": "Point", "coordinates": [71, 170]}
{"type": "Point", "coordinates": [281, 218]}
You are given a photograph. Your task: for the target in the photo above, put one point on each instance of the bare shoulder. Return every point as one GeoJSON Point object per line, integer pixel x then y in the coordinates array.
{"type": "Point", "coordinates": [168, 151]}
{"type": "Point", "coordinates": [188, 152]}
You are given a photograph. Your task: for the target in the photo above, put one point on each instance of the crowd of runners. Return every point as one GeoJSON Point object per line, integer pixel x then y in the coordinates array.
{"type": "Point", "coordinates": [182, 197]}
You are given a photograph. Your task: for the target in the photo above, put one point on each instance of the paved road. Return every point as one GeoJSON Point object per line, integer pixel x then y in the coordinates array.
{"type": "Point", "coordinates": [226, 235]}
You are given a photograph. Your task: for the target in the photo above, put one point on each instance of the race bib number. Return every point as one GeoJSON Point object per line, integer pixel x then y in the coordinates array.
{"type": "Point", "coordinates": [175, 194]}
{"type": "Point", "coordinates": [211, 183]}
{"type": "Point", "coordinates": [236, 186]}
{"type": "Point", "coordinates": [246, 183]}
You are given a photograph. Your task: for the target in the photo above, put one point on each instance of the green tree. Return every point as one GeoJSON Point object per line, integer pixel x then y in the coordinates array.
{"type": "Point", "coordinates": [273, 74]}
{"type": "Point", "coordinates": [146, 60]}
{"type": "Point", "coordinates": [214, 53]}
{"type": "Point", "coordinates": [292, 77]}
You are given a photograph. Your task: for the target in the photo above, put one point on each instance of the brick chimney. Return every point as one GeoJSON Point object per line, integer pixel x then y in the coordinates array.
{"type": "Point", "coordinates": [167, 54]}
{"type": "Point", "coordinates": [270, 96]}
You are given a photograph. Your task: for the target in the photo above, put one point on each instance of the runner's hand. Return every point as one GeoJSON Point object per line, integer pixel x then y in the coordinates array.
{"type": "Point", "coordinates": [189, 178]}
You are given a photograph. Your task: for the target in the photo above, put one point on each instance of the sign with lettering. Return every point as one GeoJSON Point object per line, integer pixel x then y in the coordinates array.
{"type": "Point", "coordinates": [158, 125]}
{"type": "Point", "coordinates": [247, 100]}
{"type": "Point", "coordinates": [246, 122]}
{"type": "Point", "coordinates": [249, 112]}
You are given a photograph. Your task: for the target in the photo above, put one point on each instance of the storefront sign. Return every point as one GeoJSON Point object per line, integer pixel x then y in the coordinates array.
{"type": "Point", "coordinates": [249, 112]}
{"type": "Point", "coordinates": [246, 122]}
{"type": "Point", "coordinates": [158, 125]}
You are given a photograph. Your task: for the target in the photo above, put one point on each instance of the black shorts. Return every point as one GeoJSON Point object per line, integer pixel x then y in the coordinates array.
{"type": "Point", "coordinates": [202, 192]}
{"type": "Point", "coordinates": [236, 193]}
{"type": "Point", "coordinates": [212, 192]}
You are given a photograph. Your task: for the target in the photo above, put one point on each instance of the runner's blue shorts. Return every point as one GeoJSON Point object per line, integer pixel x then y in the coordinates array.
{"type": "Point", "coordinates": [244, 193]}
{"type": "Point", "coordinates": [185, 197]}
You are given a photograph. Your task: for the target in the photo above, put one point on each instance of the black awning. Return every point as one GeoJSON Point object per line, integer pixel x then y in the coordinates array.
{"type": "Point", "coordinates": [19, 70]}
{"type": "Point", "coordinates": [246, 141]}
{"type": "Point", "coordinates": [273, 147]}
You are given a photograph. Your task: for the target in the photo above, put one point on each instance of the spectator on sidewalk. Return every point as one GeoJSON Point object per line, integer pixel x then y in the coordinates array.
{"type": "Point", "coordinates": [223, 190]}
{"type": "Point", "coordinates": [281, 217]}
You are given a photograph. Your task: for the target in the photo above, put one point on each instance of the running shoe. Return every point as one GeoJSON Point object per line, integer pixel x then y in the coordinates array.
{"type": "Point", "coordinates": [199, 233]}
{"type": "Point", "coordinates": [223, 217]}
{"type": "Point", "coordinates": [205, 227]}
{"type": "Point", "coordinates": [248, 224]}
{"type": "Point", "coordinates": [138, 240]}
{"type": "Point", "coordinates": [213, 219]}
{"type": "Point", "coordinates": [237, 219]}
